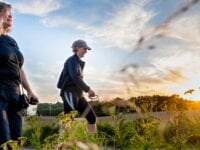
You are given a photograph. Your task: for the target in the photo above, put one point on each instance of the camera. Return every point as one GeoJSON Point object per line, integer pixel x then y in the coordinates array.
{"type": "Point", "coordinates": [33, 101]}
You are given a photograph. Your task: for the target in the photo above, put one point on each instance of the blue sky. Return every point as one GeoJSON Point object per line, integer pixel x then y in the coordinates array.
{"type": "Point", "coordinates": [45, 30]}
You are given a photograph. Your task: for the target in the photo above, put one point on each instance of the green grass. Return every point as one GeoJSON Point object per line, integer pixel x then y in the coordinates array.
{"type": "Point", "coordinates": [169, 130]}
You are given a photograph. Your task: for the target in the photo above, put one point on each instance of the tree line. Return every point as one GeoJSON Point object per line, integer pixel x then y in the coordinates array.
{"type": "Point", "coordinates": [155, 103]}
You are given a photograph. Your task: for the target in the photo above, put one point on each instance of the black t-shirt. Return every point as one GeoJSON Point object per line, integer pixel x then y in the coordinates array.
{"type": "Point", "coordinates": [9, 68]}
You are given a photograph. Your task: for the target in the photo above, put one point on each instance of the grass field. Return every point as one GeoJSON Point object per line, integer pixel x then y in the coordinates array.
{"type": "Point", "coordinates": [164, 116]}
{"type": "Point", "coordinates": [170, 130]}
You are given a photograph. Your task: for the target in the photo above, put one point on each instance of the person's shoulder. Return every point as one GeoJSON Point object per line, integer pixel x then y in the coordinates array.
{"type": "Point", "coordinates": [72, 58]}
{"type": "Point", "coordinates": [4, 37]}
{"type": "Point", "coordinates": [8, 39]}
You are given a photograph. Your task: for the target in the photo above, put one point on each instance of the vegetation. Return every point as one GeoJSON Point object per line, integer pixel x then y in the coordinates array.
{"type": "Point", "coordinates": [179, 131]}
{"type": "Point", "coordinates": [155, 103]}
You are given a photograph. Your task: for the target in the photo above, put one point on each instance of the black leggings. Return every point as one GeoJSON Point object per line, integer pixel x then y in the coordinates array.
{"type": "Point", "coordinates": [73, 101]}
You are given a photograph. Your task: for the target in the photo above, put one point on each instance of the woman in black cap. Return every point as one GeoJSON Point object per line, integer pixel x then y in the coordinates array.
{"type": "Point", "coordinates": [72, 85]}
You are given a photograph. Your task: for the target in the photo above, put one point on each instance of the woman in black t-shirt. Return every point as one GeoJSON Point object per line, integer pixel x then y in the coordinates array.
{"type": "Point", "coordinates": [10, 61]}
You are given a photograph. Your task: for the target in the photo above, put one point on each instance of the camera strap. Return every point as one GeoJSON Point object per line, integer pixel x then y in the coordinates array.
{"type": "Point", "coordinates": [20, 76]}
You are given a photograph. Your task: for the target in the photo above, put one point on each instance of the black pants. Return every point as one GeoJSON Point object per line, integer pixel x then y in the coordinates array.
{"type": "Point", "coordinates": [10, 119]}
{"type": "Point", "coordinates": [73, 101]}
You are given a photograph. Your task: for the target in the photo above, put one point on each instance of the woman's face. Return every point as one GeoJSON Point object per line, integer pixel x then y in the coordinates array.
{"type": "Point", "coordinates": [81, 52]}
{"type": "Point", "coordinates": [6, 17]}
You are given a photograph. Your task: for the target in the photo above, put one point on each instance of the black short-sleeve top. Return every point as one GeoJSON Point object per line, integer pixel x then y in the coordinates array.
{"type": "Point", "coordinates": [10, 61]}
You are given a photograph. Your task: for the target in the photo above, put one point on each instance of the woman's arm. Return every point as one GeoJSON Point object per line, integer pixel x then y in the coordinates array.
{"type": "Point", "coordinates": [26, 85]}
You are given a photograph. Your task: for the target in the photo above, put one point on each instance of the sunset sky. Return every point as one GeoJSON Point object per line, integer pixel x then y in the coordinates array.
{"type": "Point", "coordinates": [45, 30]}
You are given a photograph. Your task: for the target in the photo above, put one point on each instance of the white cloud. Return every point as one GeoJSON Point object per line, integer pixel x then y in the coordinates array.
{"type": "Point", "coordinates": [183, 44]}
{"type": "Point", "coordinates": [187, 28]}
{"type": "Point", "coordinates": [57, 21]}
{"type": "Point", "coordinates": [183, 54]}
{"type": "Point", "coordinates": [36, 7]}
{"type": "Point", "coordinates": [122, 30]}
{"type": "Point", "coordinates": [177, 50]}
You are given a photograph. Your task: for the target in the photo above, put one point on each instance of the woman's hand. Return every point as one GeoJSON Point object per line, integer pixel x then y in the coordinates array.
{"type": "Point", "coordinates": [31, 95]}
{"type": "Point", "coordinates": [91, 93]}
